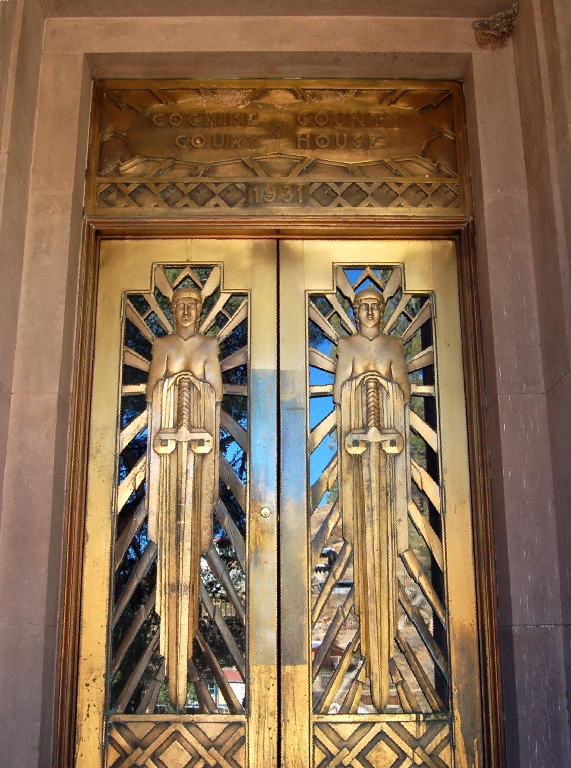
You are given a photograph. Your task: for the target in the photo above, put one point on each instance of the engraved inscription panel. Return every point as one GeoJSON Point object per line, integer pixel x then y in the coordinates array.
{"type": "Point", "coordinates": [278, 146]}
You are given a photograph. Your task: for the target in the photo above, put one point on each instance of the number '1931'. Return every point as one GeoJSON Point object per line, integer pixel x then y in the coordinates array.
{"type": "Point", "coordinates": [278, 194]}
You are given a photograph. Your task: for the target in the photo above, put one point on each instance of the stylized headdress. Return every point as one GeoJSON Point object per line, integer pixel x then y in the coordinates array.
{"type": "Point", "coordinates": [186, 293]}
{"type": "Point", "coordinates": [369, 293]}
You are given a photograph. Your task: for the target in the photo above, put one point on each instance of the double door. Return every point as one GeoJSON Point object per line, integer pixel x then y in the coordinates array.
{"type": "Point", "coordinates": [282, 663]}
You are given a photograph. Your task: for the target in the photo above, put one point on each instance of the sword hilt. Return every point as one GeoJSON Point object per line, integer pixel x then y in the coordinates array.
{"type": "Point", "coordinates": [183, 405]}
{"type": "Point", "coordinates": [357, 441]}
{"type": "Point", "coordinates": [373, 404]}
{"type": "Point", "coordinates": [165, 440]}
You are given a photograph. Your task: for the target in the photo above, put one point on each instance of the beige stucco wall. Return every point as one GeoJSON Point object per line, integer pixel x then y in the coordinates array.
{"type": "Point", "coordinates": [518, 102]}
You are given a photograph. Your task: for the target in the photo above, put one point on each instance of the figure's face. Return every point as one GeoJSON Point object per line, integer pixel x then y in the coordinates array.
{"type": "Point", "coordinates": [369, 313]}
{"type": "Point", "coordinates": [187, 312]}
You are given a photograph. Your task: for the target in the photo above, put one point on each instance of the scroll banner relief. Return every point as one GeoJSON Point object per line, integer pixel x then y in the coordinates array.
{"type": "Point", "coordinates": [246, 147]}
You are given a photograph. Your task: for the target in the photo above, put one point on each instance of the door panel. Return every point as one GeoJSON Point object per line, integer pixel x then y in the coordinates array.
{"type": "Point", "coordinates": [432, 666]}
{"type": "Point", "coordinates": [130, 718]}
{"type": "Point", "coordinates": [297, 575]}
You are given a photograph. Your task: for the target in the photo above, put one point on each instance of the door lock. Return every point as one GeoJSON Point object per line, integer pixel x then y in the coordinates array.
{"type": "Point", "coordinates": [265, 511]}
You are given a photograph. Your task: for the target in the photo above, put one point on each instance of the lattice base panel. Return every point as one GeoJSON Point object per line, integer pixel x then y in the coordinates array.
{"type": "Point", "coordinates": [393, 744]}
{"type": "Point", "coordinates": [161, 744]}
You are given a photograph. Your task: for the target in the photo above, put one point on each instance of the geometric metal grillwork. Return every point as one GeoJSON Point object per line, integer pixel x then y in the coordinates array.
{"type": "Point", "coordinates": [217, 672]}
{"type": "Point", "coordinates": [367, 545]}
{"type": "Point", "coordinates": [390, 744]}
{"type": "Point", "coordinates": [419, 667]}
{"type": "Point", "coordinates": [132, 196]}
{"type": "Point", "coordinates": [174, 745]}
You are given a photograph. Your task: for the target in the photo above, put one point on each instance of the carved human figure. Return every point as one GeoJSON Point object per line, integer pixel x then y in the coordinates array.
{"type": "Point", "coordinates": [184, 389]}
{"type": "Point", "coordinates": [186, 350]}
{"type": "Point", "coordinates": [371, 390]}
{"type": "Point", "coordinates": [370, 349]}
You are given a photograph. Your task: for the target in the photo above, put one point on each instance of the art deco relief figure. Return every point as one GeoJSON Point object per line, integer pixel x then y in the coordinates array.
{"type": "Point", "coordinates": [184, 390]}
{"type": "Point", "coordinates": [372, 391]}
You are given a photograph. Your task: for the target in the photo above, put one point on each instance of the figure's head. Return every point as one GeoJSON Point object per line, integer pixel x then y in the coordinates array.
{"type": "Point", "coordinates": [369, 307]}
{"type": "Point", "coordinates": [186, 305]}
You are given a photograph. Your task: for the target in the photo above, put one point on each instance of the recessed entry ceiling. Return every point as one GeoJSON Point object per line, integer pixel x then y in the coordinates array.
{"type": "Point", "coordinates": [441, 8]}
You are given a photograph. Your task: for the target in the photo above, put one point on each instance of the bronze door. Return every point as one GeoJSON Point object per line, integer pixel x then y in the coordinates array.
{"type": "Point", "coordinates": [312, 604]}
{"type": "Point", "coordinates": [378, 643]}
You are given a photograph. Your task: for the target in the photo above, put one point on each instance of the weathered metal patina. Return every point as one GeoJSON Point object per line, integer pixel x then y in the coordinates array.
{"type": "Point", "coordinates": [283, 146]}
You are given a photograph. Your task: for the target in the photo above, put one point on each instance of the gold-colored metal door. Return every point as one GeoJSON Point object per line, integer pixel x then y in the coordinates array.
{"type": "Point", "coordinates": [375, 519]}
{"type": "Point", "coordinates": [336, 584]}
{"type": "Point", "coordinates": [127, 714]}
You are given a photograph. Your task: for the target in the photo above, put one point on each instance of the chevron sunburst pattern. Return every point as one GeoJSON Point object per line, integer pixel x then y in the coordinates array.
{"type": "Point", "coordinates": [218, 669]}
{"type": "Point", "coordinates": [419, 669]}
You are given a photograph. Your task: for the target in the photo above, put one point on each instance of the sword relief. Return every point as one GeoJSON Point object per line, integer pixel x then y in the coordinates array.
{"type": "Point", "coordinates": [372, 393]}
{"type": "Point", "coordinates": [184, 390]}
